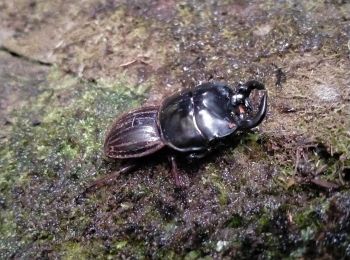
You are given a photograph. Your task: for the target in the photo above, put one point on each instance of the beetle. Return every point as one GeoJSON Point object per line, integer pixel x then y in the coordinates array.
{"type": "Point", "coordinates": [189, 122]}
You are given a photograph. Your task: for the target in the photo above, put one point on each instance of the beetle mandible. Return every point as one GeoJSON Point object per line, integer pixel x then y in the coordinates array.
{"type": "Point", "coordinates": [188, 122]}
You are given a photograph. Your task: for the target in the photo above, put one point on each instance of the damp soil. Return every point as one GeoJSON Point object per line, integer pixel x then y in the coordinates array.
{"type": "Point", "coordinates": [68, 70]}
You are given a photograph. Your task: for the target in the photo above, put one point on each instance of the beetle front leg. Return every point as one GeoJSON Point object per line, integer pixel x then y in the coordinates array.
{"type": "Point", "coordinates": [179, 179]}
{"type": "Point", "coordinates": [174, 170]}
{"type": "Point", "coordinates": [198, 155]}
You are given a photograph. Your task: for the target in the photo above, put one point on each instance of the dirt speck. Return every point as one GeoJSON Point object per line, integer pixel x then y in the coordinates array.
{"type": "Point", "coordinates": [326, 93]}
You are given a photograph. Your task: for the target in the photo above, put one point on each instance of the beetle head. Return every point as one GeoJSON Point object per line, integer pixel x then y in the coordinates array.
{"type": "Point", "coordinates": [243, 105]}
{"type": "Point", "coordinates": [243, 92]}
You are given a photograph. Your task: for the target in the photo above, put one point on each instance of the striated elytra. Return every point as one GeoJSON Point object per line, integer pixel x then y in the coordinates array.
{"type": "Point", "coordinates": [188, 122]}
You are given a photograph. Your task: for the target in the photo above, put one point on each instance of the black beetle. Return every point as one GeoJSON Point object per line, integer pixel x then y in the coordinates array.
{"type": "Point", "coordinates": [189, 122]}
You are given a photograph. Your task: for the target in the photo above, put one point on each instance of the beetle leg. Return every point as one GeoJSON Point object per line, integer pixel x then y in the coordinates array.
{"type": "Point", "coordinates": [174, 171]}
{"type": "Point", "coordinates": [178, 179]}
{"type": "Point", "coordinates": [242, 112]}
{"type": "Point", "coordinates": [198, 155]}
{"type": "Point", "coordinates": [106, 180]}
{"type": "Point", "coordinates": [248, 105]}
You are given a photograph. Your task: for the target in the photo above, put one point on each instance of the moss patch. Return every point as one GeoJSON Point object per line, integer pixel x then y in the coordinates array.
{"type": "Point", "coordinates": [62, 148]}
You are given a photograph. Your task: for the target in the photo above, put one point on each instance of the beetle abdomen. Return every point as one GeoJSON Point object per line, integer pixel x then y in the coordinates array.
{"type": "Point", "coordinates": [135, 134]}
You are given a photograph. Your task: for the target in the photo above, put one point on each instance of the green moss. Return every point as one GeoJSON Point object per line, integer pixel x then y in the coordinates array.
{"type": "Point", "coordinates": [307, 234]}
{"type": "Point", "coordinates": [214, 179]}
{"type": "Point", "coordinates": [7, 224]}
{"type": "Point", "coordinates": [65, 145]}
{"type": "Point", "coordinates": [235, 221]}
{"type": "Point", "coordinates": [120, 244]}
{"type": "Point", "coordinates": [263, 223]}
{"type": "Point", "coordinates": [285, 179]}
{"type": "Point", "coordinates": [73, 250]}
{"type": "Point", "coordinates": [310, 216]}
{"type": "Point", "coordinates": [192, 255]}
